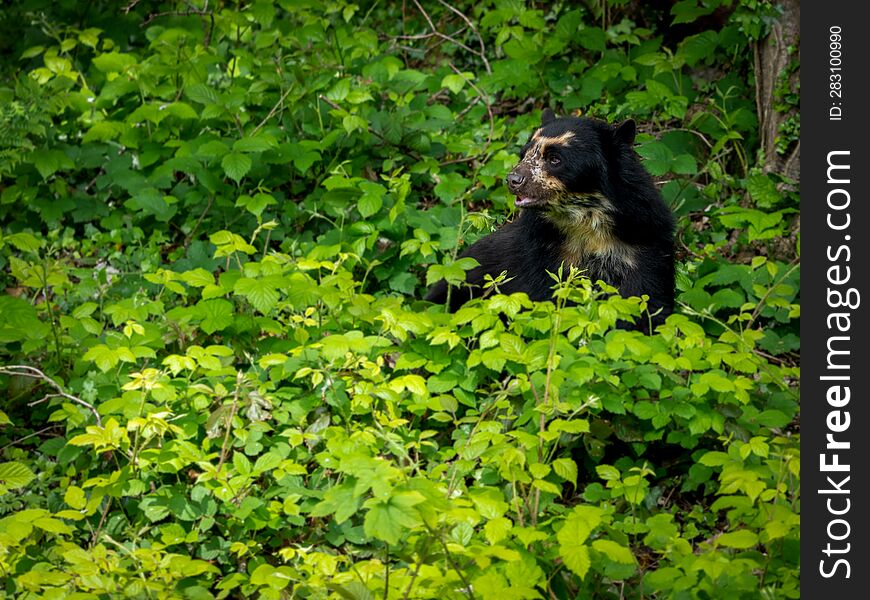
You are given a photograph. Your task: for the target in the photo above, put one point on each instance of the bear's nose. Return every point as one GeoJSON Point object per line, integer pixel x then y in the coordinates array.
{"type": "Point", "coordinates": [515, 180]}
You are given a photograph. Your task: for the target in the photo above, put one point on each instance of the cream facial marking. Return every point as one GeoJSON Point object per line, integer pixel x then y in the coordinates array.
{"type": "Point", "coordinates": [534, 158]}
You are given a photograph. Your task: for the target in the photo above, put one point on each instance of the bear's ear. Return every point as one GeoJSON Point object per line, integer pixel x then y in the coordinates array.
{"type": "Point", "coordinates": [547, 116]}
{"type": "Point", "coordinates": [625, 132]}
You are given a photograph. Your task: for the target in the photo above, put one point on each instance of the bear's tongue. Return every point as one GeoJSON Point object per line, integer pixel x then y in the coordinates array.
{"type": "Point", "coordinates": [525, 201]}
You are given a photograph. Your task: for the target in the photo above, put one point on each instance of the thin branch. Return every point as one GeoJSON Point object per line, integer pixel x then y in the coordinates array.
{"type": "Point", "coordinates": [464, 111]}
{"type": "Point", "coordinates": [467, 589]}
{"type": "Point", "coordinates": [760, 305]}
{"type": "Point", "coordinates": [229, 430]}
{"type": "Point", "coordinates": [190, 12]}
{"type": "Point", "coordinates": [482, 53]}
{"type": "Point", "coordinates": [190, 235]}
{"type": "Point", "coordinates": [96, 533]}
{"type": "Point", "coordinates": [489, 112]}
{"type": "Point", "coordinates": [408, 151]}
{"type": "Point", "coordinates": [27, 437]}
{"type": "Point", "coordinates": [34, 373]}
{"type": "Point", "coordinates": [273, 111]}
{"type": "Point", "coordinates": [452, 39]}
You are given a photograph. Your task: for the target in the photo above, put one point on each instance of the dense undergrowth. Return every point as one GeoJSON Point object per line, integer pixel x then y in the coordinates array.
{"type": "Point", "coordinates": [219, 379]}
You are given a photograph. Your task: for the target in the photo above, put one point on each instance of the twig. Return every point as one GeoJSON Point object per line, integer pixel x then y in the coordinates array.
{"type": "Point", "coordinates": [190, 235]}
{"type": "Point", "coordinates": [468, 589]}
{"type": "Point", "coordinates": [408, 151]}
{"type": "Point", "coordinates": [418, 36]}
{"type": "Point", "coordinates": [464, 111]}
{"type": "Point", "coordinates": [452, 39]}
{"type": "Point", "coordinates": [483, 97]}
{"type": "Point", "coordinates": [760, 305]}
{"type": "Point", "coordinates": [273, 111]}
{"type": "Point", "coordinates": [96, 533]}
{"type": "Point", "coordinates": [174, 13]}
{"type": "Point", "coordinates": [482, 53]}
{"type": "Point", "coordinates": [34, 373]}
{"type": "Point", "coordinates": [27, 437]}
{"type": "Point", "coordinates": [423, 556]}
{"type": "Point", "coordinates": [230, 420]}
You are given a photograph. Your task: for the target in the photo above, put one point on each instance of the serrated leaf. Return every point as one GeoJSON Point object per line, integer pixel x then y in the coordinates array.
{"type": "Point", "coordinates": [339, 500]}
{"type": "Point", "coordinates": [236, 166]}
{"type": "Point", "coordinates": [26, 242]}
{"type": "Point", "coordinates": [202, 93]}
{"type": "Point", "coordinates": [614, 551]}
{"type": "Point", "coordinates": [19, 321]}
{"type": "Point", "coordinates": [453, 82]}
{"type": "Point", "coordinates": [490, 502]}
{"type": "Point", "coordinates": [576, 558]}
{"type": "Point", "coordinates": [261, 293]}
{"type": "Point", "coordinates": [14, 475]}
{"type": "Point", "coordinates": [571, 537]}
{"type": "Point", "coordinates": [259, 143]}
{"type": "Point", "coordinates": [52, 525]}
{"type": "Point", "coordinates": [48, 162]}
{"type": "Point", "coordinates": [497, 529]}
{"type": "Point", "coordinates": [741, 539]}
{"type": "Point", "coordinates": [566, 469]}
{"type": "Point", "coordinates": [197, 278]}
{"type": "Point", "coordinates": [217, 314]}
{"type": "Point", "coordinates": [75, 497]}
{"type": "Point", "coordinates": [113, 62]}
{"type": "Point", "coordinates": [388, 520]}
{"type": "Point", "coordinates": [242, 463]}
{"type": "Point", "coordinates": [103, 357]}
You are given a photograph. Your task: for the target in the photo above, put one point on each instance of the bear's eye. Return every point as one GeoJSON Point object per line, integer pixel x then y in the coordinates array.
{"type": "Point", "coordinates": [554, 160]}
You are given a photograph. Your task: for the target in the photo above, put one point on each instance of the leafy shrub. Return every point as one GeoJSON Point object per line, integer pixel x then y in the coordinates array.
{"type": "Point", "coordinates": [220, 379]}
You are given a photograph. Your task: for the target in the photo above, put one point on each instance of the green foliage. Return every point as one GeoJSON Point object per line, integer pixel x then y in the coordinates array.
{"type": "Point", "coordinates": [217, 222]}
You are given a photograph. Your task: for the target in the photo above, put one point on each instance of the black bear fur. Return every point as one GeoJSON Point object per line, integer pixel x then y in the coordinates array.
{"type": "Point", "coordinates": [584, 199]}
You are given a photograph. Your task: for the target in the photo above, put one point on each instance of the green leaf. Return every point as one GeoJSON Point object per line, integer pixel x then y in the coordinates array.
{"type": "Point", "coordinates": [20, 321]}
{"type": "Point", "coordinates": [338, 500]}
{"type": "Point", "coordinates": [241, 463]}
{"type": "Point", "coordinates": [52, 525]}
{"type": "Point", "coordinates": [256, 204]}
{"type": "Point", "coordinates": [451, 186]}
{"type": "Point", "coordinates": [566, 469]}
{"type": "Point", "coordinates": [261, 293]}
{"type": "Point", "coordinates": [14, 475]}
{"type": "Point", "coordinates": [741, 539]}
{"type": "Point", "coordinates": [202, 93]}
{"type": "Point", "coordinates": [48, 162]}
{"type": "Point", "coordinates": [453, 82]}
{"type": "Point", "coordinates": [576, 557]}
{"type": "Point", "coordinates": [389, 519]}
{"type": "Point", "coordinates": [236, 165]}
{"type": "Point", "coordinates": [698, 47]}
{"type": "Point", "coordinates": [197, 278]}
{"type": "Point", "coordinates": [578, 525]}
{"type": "Point", "coordinates": [763, 191]}
{"type": "Point", "coordinates": [113, 62]}
{"type": "Point", "coordinates": [26, 242]}
{"type": "Point", "coordinates": [103, 357]}
{"type": "Point", "coordinates": [75, 497]}
{"type": "Point", "coordinates": [614, 551]}
{"type": "Point", "coordinates": [259, 143]}
{"type": "Point", "coordinates": [216, 314]}
{"type": "Point", "coordinates": [489, 502]}
{"type": "Point", "coordinates": [571, 537]}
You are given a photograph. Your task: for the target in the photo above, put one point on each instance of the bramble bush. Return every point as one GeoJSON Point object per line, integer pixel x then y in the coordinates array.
{"type": "Point", "coordinates": [217, 224]}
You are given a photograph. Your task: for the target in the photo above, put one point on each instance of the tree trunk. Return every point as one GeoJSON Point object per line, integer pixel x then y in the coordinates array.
{"type": "Point", "coordinates": [773, 57]}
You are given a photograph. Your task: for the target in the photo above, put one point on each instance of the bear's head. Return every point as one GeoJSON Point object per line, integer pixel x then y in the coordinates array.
{"type": "Point", "coordinates": [564, 167]}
